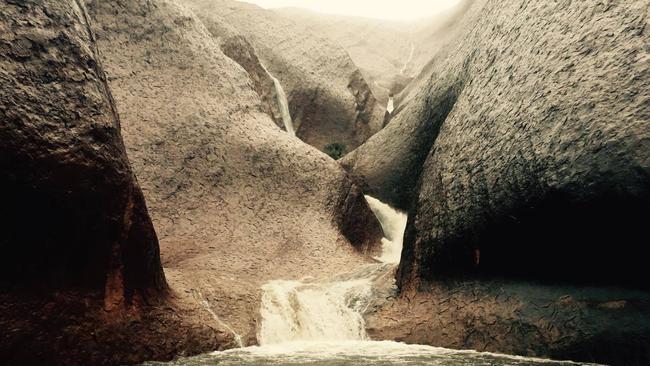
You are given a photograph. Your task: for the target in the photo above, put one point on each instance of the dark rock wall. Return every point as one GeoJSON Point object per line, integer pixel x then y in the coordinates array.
{"type": "Point", "coordinates": [522, 152]}
{"type": "Point", "coordinates": [544, 162]}
{"type": "Point", "coordinates": [72, 213]}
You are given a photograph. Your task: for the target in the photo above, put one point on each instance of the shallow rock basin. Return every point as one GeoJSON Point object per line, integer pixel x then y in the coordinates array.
{"type": "Point", "coordinates": [357, 353]}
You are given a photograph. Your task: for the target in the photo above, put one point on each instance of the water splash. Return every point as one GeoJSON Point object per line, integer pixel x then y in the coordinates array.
{"type": "Point", "coordinates": [390, 107]}
{"type": "Point", "coordinates": [332, 309]}
{"type": "Point", "coordinates": [393, 223]}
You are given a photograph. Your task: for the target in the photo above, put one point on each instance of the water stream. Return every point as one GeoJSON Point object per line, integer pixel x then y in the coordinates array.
{"type": "Point", "coordinates": [390, 107]}
{"type": "Point", "coordinates": [283, 104]}
{"type": "Point", "coordinates": [321, 322]}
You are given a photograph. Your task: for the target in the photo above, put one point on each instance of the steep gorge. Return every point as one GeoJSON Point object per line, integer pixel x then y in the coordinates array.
{"type": "Point", "coordinates": [520, 152]}
{"type": "Point", "coordinates": [236, 201]}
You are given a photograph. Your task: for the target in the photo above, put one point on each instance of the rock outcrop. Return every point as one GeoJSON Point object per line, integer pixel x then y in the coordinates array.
{"type": "Point", "coordinates": [329, 100]}
{"type": "Point", "coordinates": [235, 200]}
{"type": "Point", "coordinates": [80, 265]}
{"type": "Point", "coordinates": [523, 152]}
{"type": "Point", "coordinates": [72, 210]}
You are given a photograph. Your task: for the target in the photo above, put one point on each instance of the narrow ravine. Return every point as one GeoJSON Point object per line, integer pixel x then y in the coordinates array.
{"type": "Point", "coordinates": [408, 61]}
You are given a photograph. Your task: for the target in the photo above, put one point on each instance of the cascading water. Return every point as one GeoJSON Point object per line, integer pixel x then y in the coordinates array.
{"type": "Point", "coordinates": [393, 224]}
{"type": "Point", "coordinates": [330, 310]}
{"type": "Point", "coordinates": [390, 107]}
{"type": "Point", "coordinates": [406, 64]}
{"type": "Point", "coordinates": [320, 323]}
{"type": "Point", "coordinates": [283, 103]}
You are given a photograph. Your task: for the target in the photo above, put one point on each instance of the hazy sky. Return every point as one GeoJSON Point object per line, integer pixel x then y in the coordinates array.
{"type": "Point", "coordinates": [395, 10]}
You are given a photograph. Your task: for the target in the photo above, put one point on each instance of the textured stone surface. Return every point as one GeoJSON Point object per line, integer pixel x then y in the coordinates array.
{"type": "Point", "coordinates": [328, 98]}
{"type": "Point", "coordinates": [545, 156]}
{"type": "Point", "coordinates": [72, 210]}
{"type": "Point", "coordinates": [514, 123]}
{"type": "Point", "coordinates": [523, 151]}
{"type": "Point", "coordinates": [235, 200]}
{"type": "Point", "coordinates": [592, 324]}
{"type": "Point", "coordinates": [80, 275]}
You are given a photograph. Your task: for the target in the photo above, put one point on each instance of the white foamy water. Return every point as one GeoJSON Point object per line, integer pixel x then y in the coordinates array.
{"type": "Point", "coordinates": [390, 107]}
{"type": "Point", "coordinates": [331, 309]}
{"type": "Point", "coordinates": [393, 223]}
{"type": "Point", "coordinates": [311, 310]}
{"type": "Point", "coordinates": [283, 103]}
{"type": "Point", "coordinates": [320, 323]}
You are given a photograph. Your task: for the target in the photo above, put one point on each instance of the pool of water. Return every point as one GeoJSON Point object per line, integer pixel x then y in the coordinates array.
{"type": "Point", "coordinates": [356, 353]}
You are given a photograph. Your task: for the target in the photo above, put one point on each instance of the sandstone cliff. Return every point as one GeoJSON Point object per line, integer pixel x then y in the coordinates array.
{"type": "Point", "coordinates": [80, 257]}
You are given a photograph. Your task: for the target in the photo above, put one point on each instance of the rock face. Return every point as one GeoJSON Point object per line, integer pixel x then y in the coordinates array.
{"type": "Point", "coordinates": [379, 48]}
{"type": "Point", "coordinates": [388, 53]}
{"type": "Point", "coordinates": [523, 153]}
{"type": "Point", "coordinates": [329, 100]}
{"type": "Point", "coordinates": [80, 264]}
{"type": "Point", "coordinates": [235, 200]}
{"type": "Point", "coordinates": [72, 209]}
{"type": "Point", "coordinates": [234, 45]}
{"type": "Point", "coordinates": [604, 325]}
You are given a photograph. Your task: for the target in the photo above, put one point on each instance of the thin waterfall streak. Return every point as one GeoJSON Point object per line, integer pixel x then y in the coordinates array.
{"type": "Point", "coordinates": [406, 64]}
{"type": "Point", "coordinates": [390, 107]}
{"type": "Point", "coordinates": [208, 308]}
{"type": "Point", "coordinates": [283, 103]}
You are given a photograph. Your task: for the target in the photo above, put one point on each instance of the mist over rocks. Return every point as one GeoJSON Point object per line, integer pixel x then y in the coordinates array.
{"type": "Point", "coordinates": [390, 54]}
{"type": "Point", "coordinates": [329, 100]}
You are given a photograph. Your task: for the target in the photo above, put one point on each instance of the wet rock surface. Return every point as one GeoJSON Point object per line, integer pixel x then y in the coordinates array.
{"type": "Point", "coordinates": [590, 324]}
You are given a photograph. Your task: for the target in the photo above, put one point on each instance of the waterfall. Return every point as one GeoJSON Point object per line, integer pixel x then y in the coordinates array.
{"type": "Point", "coordinates": [390, 107]}
{"type": "Point", "coordinates": [393, 224]}
{"type": "Point", "coordinates": [331, 309]}
{"type": "Point", "coordinates": [283, 103]}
